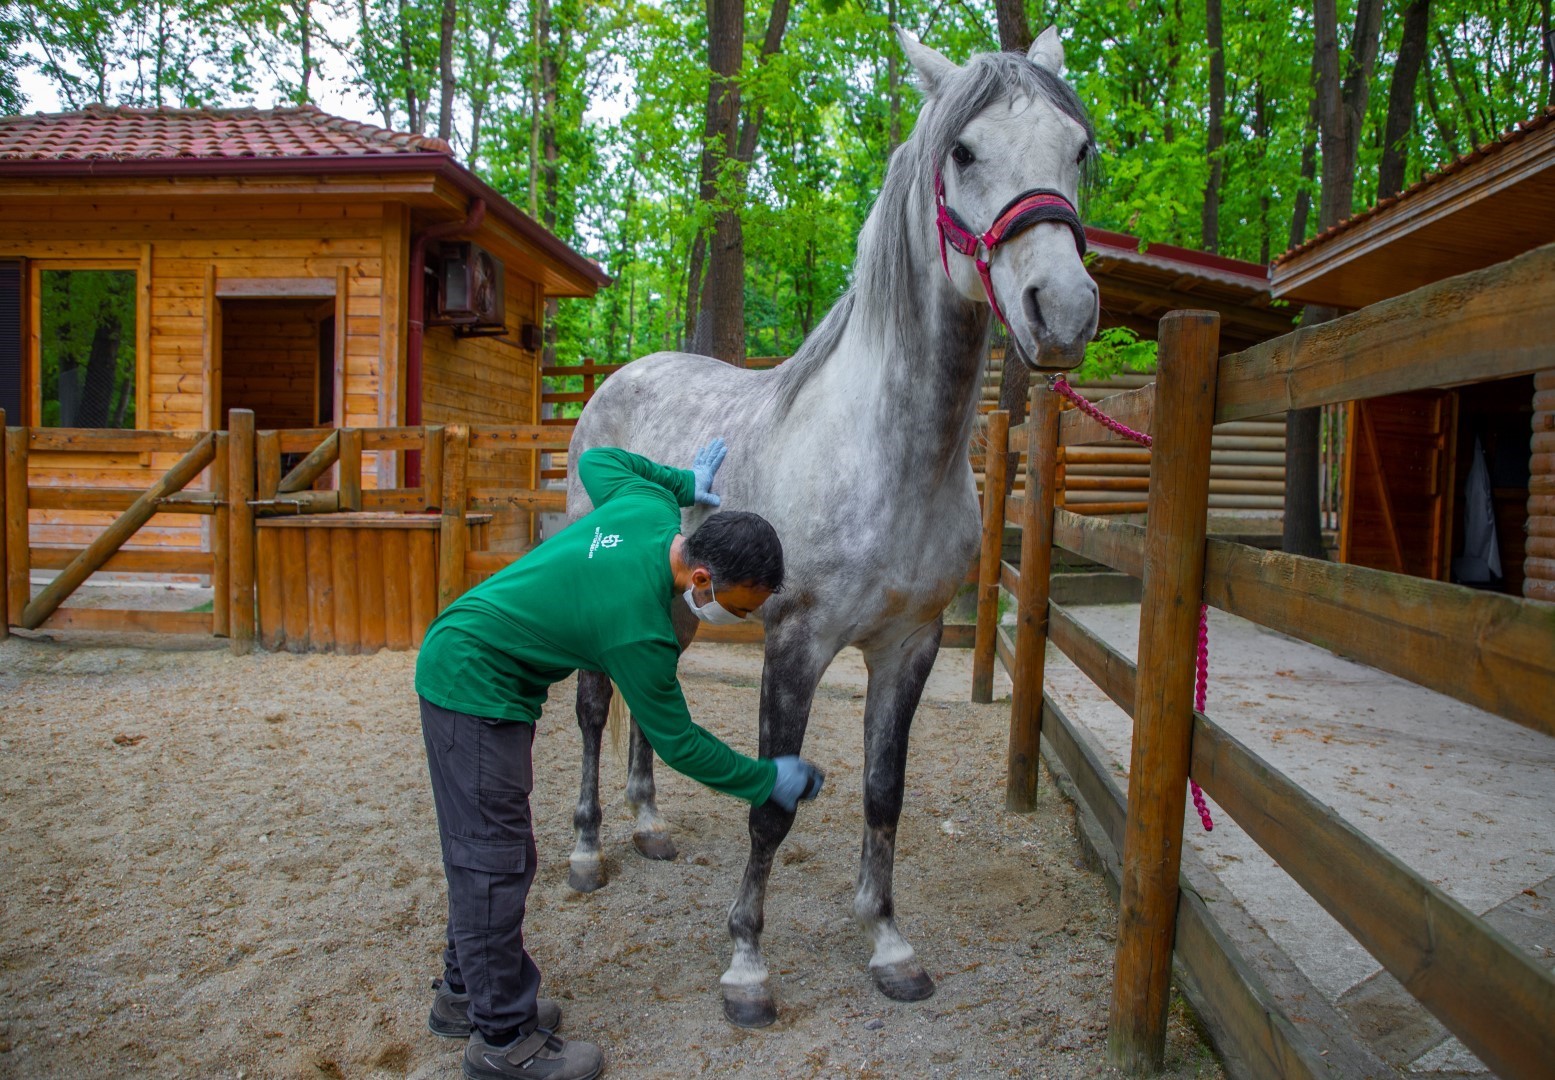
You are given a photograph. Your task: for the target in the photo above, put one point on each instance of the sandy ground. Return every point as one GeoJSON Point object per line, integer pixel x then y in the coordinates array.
{"type": "Point", "coordinates": [221, 866]}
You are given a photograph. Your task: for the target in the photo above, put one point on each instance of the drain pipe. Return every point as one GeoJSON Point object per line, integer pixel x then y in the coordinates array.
{"type": "Point", "coordinates": [417, 311]}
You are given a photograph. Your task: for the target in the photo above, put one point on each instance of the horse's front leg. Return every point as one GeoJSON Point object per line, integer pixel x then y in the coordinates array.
{"type": "Point", "coordinates": [792, 670]}
{"type": "Point", "coordinates": [896, 677]}
{"type": "Point", "coordinates": [586, 869]}
{"type": "Point", "coordinates": [651, 834]}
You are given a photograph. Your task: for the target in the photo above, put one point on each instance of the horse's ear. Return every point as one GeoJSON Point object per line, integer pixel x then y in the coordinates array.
{"type": "Point", "coordinates": [1047, 51]}
{"type": "Point", "coordinates": [933, 67]}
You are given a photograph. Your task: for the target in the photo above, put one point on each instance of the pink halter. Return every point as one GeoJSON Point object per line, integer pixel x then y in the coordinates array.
{"type": "Point", "coordinates": [1025, 210]}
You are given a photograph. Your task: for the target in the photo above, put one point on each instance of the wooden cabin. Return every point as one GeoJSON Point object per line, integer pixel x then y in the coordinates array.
{"type": "Point", "coordinates": [1409, 457]}
{"type": "Point", "coordinates": [159, 267]}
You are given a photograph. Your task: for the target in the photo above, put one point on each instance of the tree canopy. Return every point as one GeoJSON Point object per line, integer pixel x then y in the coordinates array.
{"type": "Point", "coordinates": [592, 115]}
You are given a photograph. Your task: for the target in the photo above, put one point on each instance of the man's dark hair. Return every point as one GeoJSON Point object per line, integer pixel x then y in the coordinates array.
{"type": "Point", "coordinates": [738, 549]}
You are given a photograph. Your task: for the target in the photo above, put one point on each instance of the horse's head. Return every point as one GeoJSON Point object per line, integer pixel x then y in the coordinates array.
{"type": "Point", "coordinates": [1007, 143]}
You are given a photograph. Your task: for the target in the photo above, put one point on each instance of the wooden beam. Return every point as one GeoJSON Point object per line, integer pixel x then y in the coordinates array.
{"type": "Point", "coordinates": [267, 464]}
{"type": "Point", "coordinates": [143, 317]}
{"type": "Point", "coordinates": [998, 443]}
{"type": "Point", "coordinates": [1112, 672]}
{"type": "Point", "coordinates": [1036, 560]}
{"type": "Point", "coordinates": [276, 288]}
{"type": "Point", "coordinates": [1486, 990]}
{"type": "Point", "coordinates": [1492, 651]}
{"type": "Point", "coordinates": [432, 467]}
{"type": "Point", "coordinates": [1169, 618]}
{"type": "Point", "coordinates": [1133, 408]}
{"type": "Point", "coordinates": [505, 499]}
{"type": "Point", "coordinates": [1488, 324]}
{"type": "Point", "coordinates": [1112, 543]}
{"type": "Point", "coordinates": [221, 535]}
{"type": "Point", "coordinates": [310, 468]}
{"type": "Point", "coordinates": [453, 534]}
{"type": "Point", "coordinates": [350, 468]}
{"type": "Point", "coordinates": [160, 561]}
{"type": "Point", "coordinates": [240, 523]}
{"type": "Point", "coordinates": [111, 441]}
{"type": "Point", "coordinates": [113, 537]}
{"type": "Point", "coordinates": [518, 437]}
{"type": "Point", "coordinates": [120, 620]}
{"type": "Point", "coordinates": [210, 358]}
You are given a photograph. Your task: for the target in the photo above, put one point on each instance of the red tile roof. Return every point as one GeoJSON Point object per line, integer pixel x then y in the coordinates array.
{"type": "Point", "coordinates": [1479, 153]}
{"type": "Point", "coordinates": [100, 132]}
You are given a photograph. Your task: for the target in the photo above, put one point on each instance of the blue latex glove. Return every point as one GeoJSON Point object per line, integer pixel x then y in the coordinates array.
{"type": "Point", "coordinates": [703, 467]}
{"type": "Point", "coordinates": [796, 779]}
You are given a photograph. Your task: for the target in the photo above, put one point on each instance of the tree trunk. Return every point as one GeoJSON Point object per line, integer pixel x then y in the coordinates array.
{"type": "Point", "coordinates": [1342, 109]}
{"type": "Point", "coordinates": [445, 67]}
{"type": "Point", "coordinates": [1548, 66]}
{"type": "Point", "coordinates": [1401, 99]}
{"type": "Point", "coordinates": [101, 369]}
{"type": "Point", "coordinates": [1298, 220]}
{"type": "Point", "coordinates": [1261, 140]}
{"type": "Point", "coordinates": [893, 78]}
{"type": "Point", "coordinates": [1014, 29]}
{"type": "Point", "coordinates": [415, 111]}
{"type": "Point", "coordinates": [727, 149]}
{"type": "Point", "coordinates": [1209, 232]}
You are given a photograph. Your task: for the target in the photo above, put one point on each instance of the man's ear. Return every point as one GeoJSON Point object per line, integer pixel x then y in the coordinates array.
{"type": "Point", "coordinates": [700, 578]}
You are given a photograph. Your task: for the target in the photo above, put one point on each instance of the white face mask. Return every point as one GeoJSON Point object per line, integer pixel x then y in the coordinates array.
{"type": "Point", "coordinates": [713, 613]}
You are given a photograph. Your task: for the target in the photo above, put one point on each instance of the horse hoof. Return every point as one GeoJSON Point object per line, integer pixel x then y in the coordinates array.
{"type": "Point", "coordinates": [586, 877]}
{"type": "Point", "coordinates": [655, 845]}
{"type": "Point", "coordinates": [903, 982]}
{"type": "Point", "coordinates": [749, 1006]}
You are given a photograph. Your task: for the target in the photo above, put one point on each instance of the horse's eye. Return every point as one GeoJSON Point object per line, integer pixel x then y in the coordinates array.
{"type": "Point", "coordinates": [1085, 152]}
{"type": "Point", "coordinates": [961, 155]}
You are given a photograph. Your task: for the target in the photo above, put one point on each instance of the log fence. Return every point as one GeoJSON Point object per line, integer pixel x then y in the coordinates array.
{"type": "Point", "coordinates": [1493, 651]}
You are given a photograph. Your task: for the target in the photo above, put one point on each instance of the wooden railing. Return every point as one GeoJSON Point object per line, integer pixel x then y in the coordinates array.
{"type": "Point", "coordinates": [554, 464]}
{"type": "Point", "coordinates": [1492, 651]}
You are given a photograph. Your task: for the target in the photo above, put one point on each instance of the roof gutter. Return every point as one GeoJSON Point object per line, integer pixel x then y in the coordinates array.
{"type": "Point", "coordinates": [417, 317]}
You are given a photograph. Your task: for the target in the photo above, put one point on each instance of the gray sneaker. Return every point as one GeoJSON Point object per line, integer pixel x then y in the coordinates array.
{"type": "Point", "coordinates": [450, 1015]}
{"type": "Point", "coordinates": [538, 1056]}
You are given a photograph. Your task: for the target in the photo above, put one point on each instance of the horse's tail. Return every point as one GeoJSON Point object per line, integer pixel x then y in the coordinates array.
{"type": "Point", "coordinates": [615, 721]}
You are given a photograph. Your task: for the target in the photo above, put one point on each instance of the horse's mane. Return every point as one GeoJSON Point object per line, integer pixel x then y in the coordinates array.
{"type": "Point", "coordinates": [883, 290]}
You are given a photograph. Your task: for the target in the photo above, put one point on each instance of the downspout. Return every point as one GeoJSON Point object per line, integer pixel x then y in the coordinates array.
{"type": "Point", "coordinates": [417, 311]}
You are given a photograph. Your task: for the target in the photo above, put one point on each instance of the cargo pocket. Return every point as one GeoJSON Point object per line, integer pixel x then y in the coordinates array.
{"type": "Point", "coordinates": [493, 885]}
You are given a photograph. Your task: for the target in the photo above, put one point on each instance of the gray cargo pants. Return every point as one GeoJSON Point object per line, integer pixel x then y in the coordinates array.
{"type": "Point", "coordinates": [482, 773]}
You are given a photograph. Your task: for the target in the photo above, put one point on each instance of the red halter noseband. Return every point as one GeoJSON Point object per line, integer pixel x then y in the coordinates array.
{"type": "Point", "coordinates": [1025, 210]}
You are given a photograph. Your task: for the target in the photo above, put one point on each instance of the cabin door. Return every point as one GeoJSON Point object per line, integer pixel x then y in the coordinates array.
{"type": "Point", "coordinates": [1399, 467]}
{"type": "Point", "coordinates": [278, 359]}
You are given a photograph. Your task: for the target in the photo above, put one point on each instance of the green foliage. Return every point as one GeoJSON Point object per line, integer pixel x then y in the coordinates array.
{"type": "Point", "coordinates": [619, 87]}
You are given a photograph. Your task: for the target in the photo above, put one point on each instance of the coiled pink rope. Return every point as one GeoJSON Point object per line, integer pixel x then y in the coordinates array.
{"type": "Point", "coordinates": [1061, 386]}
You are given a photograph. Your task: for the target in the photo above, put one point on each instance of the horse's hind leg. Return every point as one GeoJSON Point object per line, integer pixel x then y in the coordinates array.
{"type": "Point", "coordinates": [651, 835]}
{"type": "Point", "coordinates": [586, 870]}
{"type": "Point", "coordinates": [794, 663]}
{"type": "Point", "coordinates": [896, 678]}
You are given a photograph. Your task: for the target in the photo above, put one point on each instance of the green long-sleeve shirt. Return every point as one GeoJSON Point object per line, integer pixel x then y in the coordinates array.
{"type": "Point", "coordinates": [596, 596]}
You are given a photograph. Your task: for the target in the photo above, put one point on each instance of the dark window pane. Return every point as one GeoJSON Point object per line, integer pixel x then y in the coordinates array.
{"type": "Point", "coordinates": [87, 335]}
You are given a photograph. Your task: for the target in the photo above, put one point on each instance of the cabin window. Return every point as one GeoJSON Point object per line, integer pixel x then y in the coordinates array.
{"type": "Point", "coordinates": [86, 348]}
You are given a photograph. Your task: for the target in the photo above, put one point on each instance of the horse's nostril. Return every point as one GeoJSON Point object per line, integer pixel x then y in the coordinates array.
{"type": "Point", "coordinates": [1033, 307]}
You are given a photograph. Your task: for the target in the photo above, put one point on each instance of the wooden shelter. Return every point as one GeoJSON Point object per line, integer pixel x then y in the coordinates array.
{"type": "Point", "coordinates": [161, 267]}
{"type": "Point", "coordinates": [1409, 457]}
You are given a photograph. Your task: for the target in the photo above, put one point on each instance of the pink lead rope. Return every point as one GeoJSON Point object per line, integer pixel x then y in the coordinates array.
{"type": "Point", "coordinates": [1061, 386]}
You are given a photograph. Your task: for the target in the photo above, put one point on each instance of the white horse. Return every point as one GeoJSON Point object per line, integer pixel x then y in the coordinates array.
{"type": "Point", "coordinates": [856, 451]}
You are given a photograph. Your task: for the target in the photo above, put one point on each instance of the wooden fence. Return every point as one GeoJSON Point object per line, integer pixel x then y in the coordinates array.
{"type": "Point", "coordinates": [352, 568]}
{"type": "Point", "coordinates": [1492, 651]}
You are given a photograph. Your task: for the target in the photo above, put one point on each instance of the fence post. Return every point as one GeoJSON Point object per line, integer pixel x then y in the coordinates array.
{"type": "Point", "coordinates": [18, 585]}
{"type": "Point", "coordinates": [240, 525]}
{"type": "Point", "coordinates": [267, 465]}
{"type": "Point", "coordinates": [1163, 702]}
{"type": "Point", "coordinates": [350, 468]}
{"type": "Point", "coordinates": [5, 547]}
{"type": "Point", "coordinates": [454, 534]}
{"type": "Point", "coordinates": [221, 537]}
{"type": "Point", "coordinates": [432, 466]}
{"type": "Point", "coordinates": [995, 469]}
{"type": "Point", "coordinates": [1036, 561]}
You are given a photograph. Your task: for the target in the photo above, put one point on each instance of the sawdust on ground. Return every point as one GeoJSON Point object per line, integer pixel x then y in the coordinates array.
{"type": "Point", "coordinates": [223, 866]}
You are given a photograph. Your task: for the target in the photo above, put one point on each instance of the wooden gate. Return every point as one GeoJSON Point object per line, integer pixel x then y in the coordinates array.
{"type": "Point", "coordinates": [199, 451]}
